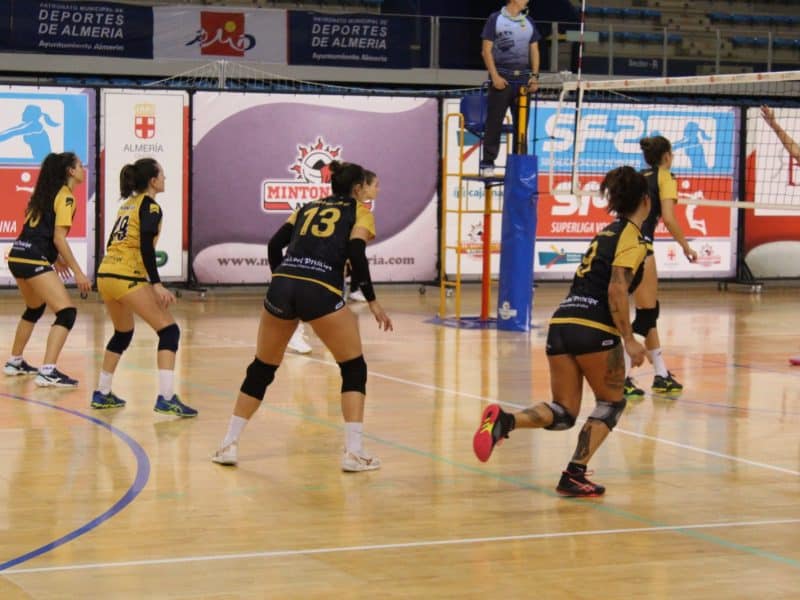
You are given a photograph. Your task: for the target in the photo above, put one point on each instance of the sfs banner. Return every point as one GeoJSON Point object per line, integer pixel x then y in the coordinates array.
{"type": "Point", "coordinates": [259, 157]}
{"type": "Point", "coordinates": [93, 28]}
{"type": "Point", "coordinates": [151, 124]}
{"type": "Point", "coordinates": [33, 123]}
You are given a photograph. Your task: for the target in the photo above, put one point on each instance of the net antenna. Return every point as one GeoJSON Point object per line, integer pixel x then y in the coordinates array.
{"type": "Point", "coordinates": [711, 121]}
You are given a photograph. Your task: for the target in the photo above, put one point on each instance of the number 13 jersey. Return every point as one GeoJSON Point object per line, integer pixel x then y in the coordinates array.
{"type": "Point", "coordinates": [317, 251]}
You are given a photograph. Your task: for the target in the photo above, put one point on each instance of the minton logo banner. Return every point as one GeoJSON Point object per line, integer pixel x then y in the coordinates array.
{"type": "Point", "coordinates": [95, 28]}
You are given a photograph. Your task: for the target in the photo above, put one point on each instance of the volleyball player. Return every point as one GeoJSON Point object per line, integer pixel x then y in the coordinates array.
{"type": "Point", "coordinates": [663, 188]}
{"type": "Point", "coordinates": [794, 151]}
{"type": "Point", "coordinates": [129, 283]}
{"type": "Point", "coordinates": [583, 338]}
{"type": "Point", "coordinates": [39, 259]}
{"type": "Point", "coordinates": [307, 286]}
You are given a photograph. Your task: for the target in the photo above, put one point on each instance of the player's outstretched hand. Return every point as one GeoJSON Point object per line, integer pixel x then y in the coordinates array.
{"type": "Point", "coordinates": [384, 322]}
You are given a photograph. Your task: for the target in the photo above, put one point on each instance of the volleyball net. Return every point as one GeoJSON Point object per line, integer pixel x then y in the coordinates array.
{"type": "Point", "coordinates": [720, 137]}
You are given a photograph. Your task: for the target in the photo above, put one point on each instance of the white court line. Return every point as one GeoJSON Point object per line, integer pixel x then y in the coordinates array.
{"type": "Point", "coordinates": [435, 388]}
{"type": "Point", "coordinates": [730, 457]}
{"type": "Point", "coordinates": [396, 546]}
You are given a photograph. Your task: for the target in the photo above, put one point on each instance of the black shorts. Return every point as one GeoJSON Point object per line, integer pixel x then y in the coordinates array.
{"type": "Point", "coordinates": [571, 338]}
{"type": "Point", "coordinates": [289, 299]}
{"type": "Point", "coordinates": [24, 265]}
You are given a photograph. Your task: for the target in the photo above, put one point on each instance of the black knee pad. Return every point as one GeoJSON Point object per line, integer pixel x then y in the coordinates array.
{"type": "Point", "coordinates": [354, 375]}
{"type": "Point", "coordinates": [645, 320]}
{"type": "Point", "coordinates": [66, 317]}
{"type": "Point", "coordinates": [561, 418]}
{"type": "Point", "coordinates": [169, 337]}
{"type": "Point", "coordinates": [259, 376]}
{"type": "Point", "coordinates": [120, 341]}
{"type": "Point", "coordinates": [33, 314]}
{"type": "Point", "coordinates": [608, 412]}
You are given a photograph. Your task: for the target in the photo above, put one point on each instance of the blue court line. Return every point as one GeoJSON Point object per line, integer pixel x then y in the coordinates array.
{"type": "Point", "coordinates": [142, 475]}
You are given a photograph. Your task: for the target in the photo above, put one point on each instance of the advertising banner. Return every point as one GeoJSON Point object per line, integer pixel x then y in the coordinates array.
{"type": "Point", "coordinates": [149, 124]}
{"type": "Point", "coordinates": [258, 157]}
{"type": "Point", "coordinates": [772, 236]}
{"type": "Point", "coordinates": [705, 145]}
{"type": "Point", "coordinates": [92, 28]}
{"type": "Point", "coordinates": [225, 33]}
{"type": "Point", "coordinates": [351, 40]}
{"type": "Point", "coordinates": [33, 123]}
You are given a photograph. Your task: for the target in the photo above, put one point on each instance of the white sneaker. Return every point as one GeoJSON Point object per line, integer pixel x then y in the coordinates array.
{"type": "Point", "coordinates": [357, 296]}
{"type": "Point", "coordinates": [298, 342]}
{"type": "Point", "coordinates": [228, 455]}
{"type": "Point", "coordinates": [352, 462]}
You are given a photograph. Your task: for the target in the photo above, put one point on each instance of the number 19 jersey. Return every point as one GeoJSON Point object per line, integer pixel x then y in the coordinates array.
{"type": "Point", "coordinates": [123, 258]}
{"type": "Point", "coordinates": [620, 244]}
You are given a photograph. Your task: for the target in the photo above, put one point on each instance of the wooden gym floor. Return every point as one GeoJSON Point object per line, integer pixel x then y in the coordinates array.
{"type": "Point", "coordinates": [702, 498]}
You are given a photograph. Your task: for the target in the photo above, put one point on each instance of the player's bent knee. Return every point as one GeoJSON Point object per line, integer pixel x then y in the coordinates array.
{"type": "Point", "coordinates": [33, 314]}
{"type": "Point", "coordinates": [169, 337]}
{"type": "Point", "coordinates": [645, 320]}
{"type": "Point", "coordinates": [259, 376]}
{"type": "Point", "coordinates": [66, 317]}
{"type": "Point", "coordinates": [354, 375]}
{"type": "Point", "coordinates": [120, 341]}
{"type": "Point", "coordinates": [562, 420]}
{"type": "Point", "coordinates": [608, 412]}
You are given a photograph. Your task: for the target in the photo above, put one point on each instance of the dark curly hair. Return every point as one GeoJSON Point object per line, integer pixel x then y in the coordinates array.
{"type": "Point", "coordinates": [625, 189]}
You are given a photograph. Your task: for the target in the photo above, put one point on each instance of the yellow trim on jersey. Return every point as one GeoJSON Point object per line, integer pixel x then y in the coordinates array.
{"type": "Point", "coordinates": [630, 251]}
{"type": "Point", "coordinates": [317, 281]}
{"type": "Point", "coordinates": [28, 261]}
{"type": "Point", "coordinates": [64, 207]}
{"type": "Point", "coordinates": [365, 219]}
{"type": "Point", "coordinates": [585, 323]}
{"type": "Point", "coordinates": [667, 185]}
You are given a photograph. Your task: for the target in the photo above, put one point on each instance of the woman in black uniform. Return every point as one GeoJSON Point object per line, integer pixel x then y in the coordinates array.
{"type": "Point", "coordinates": [39, 259]}
{"type": "Point", "coordinates": [663, 188]}
{"type": "Point", "coordinates": [583, 339]}
{"type": "Point", "coordinates": [307, 286]}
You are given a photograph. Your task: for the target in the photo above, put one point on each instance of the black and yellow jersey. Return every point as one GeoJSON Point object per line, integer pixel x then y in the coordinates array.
{"type": "Point", "coordinates": [317, 250]}
{"type": "Point", "coordinates": [36, 237]}
{"type": "Point", "coordinates": [620, 244]}
{"type": "Point", "coordinates": [136, 216]}
{"type": "Point", "coordinates": [661, 183]}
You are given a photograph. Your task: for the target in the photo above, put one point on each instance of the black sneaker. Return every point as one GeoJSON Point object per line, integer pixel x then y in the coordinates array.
{"type": "Point", "coordinates": [576, 485]}
{"type": "Point", "coordinates": [494, 427]}
{"type": "Point", "coordinates": [630, 388]}
{"type": "Point", "coordinates": [666, 385]}
{"type": "Point", "coordinates": [55, 379]}
{"type": "Point", "coordinates": [20, 368]}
